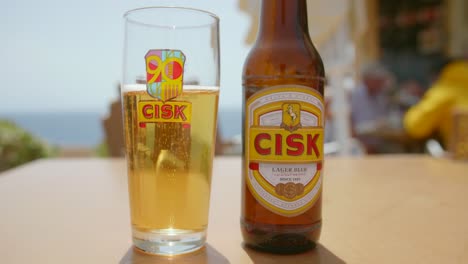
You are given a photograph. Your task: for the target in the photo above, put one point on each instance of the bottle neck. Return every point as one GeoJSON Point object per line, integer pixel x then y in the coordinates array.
{"type": "Point", "coordinates": [283, 20]}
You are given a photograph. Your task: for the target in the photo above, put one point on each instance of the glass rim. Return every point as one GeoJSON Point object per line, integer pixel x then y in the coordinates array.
{"type": "Point", "coordinates": [195, 10]}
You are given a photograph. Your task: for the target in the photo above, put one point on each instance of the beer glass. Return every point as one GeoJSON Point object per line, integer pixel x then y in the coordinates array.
{"type": "Point", "coordinates": [170, 93]}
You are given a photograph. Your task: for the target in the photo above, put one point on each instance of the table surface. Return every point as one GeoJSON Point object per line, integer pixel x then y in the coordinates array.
{"type": "Point", "coordinates": [389, 209]}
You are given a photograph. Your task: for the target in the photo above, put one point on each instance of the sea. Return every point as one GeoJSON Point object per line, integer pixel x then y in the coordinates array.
{"type": "Point", "coordinates": [85, 130]}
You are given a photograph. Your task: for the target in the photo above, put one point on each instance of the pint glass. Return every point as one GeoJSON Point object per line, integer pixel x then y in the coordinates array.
{"type": "Point", "coordinates": [170, 92]}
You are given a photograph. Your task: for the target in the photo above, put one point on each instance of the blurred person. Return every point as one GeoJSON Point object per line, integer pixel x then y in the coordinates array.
{"type": "Point", "coordinates": [329, 122]}
{"type": "Point", "coordinates": [433, 114]}
{"type": "Point", "coordinates": [370, 104]}
{"type": "Point", "coordinates": [329, 118]}
{"type": "Point", "coordinates": [410, 93]}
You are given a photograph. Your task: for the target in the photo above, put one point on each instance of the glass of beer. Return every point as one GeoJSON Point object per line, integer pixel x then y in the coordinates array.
{"type": "Point", "coordinates": [170, 93]}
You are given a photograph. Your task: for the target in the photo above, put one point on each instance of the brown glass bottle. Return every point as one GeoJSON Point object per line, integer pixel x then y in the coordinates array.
{"type": "Point", "coordinates": [283, 56]}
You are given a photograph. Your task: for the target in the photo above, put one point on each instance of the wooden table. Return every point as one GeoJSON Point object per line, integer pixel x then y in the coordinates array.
{"type": "Point", "coordinates": [390, 209]}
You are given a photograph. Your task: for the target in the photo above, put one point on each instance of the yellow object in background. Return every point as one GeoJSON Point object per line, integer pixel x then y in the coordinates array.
{"type": "Point", "coordinates": [434, 112]}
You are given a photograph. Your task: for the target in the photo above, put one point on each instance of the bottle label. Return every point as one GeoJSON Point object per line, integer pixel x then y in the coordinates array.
{"type": "Point", "coordinates": [284, 148]}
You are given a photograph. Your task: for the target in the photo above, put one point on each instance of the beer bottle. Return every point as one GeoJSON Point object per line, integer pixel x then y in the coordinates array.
{"type": "Point", "coordinates": [283, 121]}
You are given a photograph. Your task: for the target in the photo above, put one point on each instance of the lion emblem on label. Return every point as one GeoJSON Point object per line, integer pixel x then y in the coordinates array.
{"type": "Point", "coordinates": [291, 117]}
{"type": "Point", "coordinates": [164, 73]}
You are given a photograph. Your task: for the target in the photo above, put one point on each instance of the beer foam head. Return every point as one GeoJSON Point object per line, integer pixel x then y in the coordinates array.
{"type": "Point", "coordinates": [142, 87]}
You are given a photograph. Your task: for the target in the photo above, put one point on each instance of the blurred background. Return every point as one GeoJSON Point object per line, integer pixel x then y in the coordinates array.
{"type": "Point", "coordinates": [62, 61]}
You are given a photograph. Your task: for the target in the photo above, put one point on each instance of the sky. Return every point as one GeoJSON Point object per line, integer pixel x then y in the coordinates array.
{"type": "Point", "coordinates": [67, 55]}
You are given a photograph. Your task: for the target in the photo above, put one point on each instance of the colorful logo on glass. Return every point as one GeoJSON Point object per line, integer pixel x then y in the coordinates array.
{"type": "Point", "coordinates": [164, 73]}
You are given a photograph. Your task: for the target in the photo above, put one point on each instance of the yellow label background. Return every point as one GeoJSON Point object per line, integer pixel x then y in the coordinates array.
{"type": "Point", "coordinates": [158, 104]}
{"type": "Point", "coordinates": [304, 158]}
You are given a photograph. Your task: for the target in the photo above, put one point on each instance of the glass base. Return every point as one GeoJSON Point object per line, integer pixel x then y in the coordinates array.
{"type": "Point", "coordinates": [169, 242]}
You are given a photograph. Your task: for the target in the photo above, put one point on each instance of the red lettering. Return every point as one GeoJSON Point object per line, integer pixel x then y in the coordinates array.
{"type": "Point", "coordinates": [279, 145]}
{"type": "Point", "coordinates": [312, 145]}
{"type": "Point", "coordinates": [258, 148]}
{"type": "Point", "coordinates": [146, 111]}
{"type": "Point", "coordinates": [179, 112]}
{"type": "Point", "coordinates": [156, 111]}
{"type": "Point", "coordinates": [166, 112]}
{"type": "Point", "coordinates": [294, 148]}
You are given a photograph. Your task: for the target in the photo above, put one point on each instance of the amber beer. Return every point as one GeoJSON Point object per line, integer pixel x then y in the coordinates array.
{"type": "Point", "coordinates": [169, 148]}
{"type": "Point", "coordinates": [283, 82]}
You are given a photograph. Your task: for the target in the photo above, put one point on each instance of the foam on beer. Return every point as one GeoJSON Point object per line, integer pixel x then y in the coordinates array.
{"type": "Point", "coordinates": [142, 87]}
